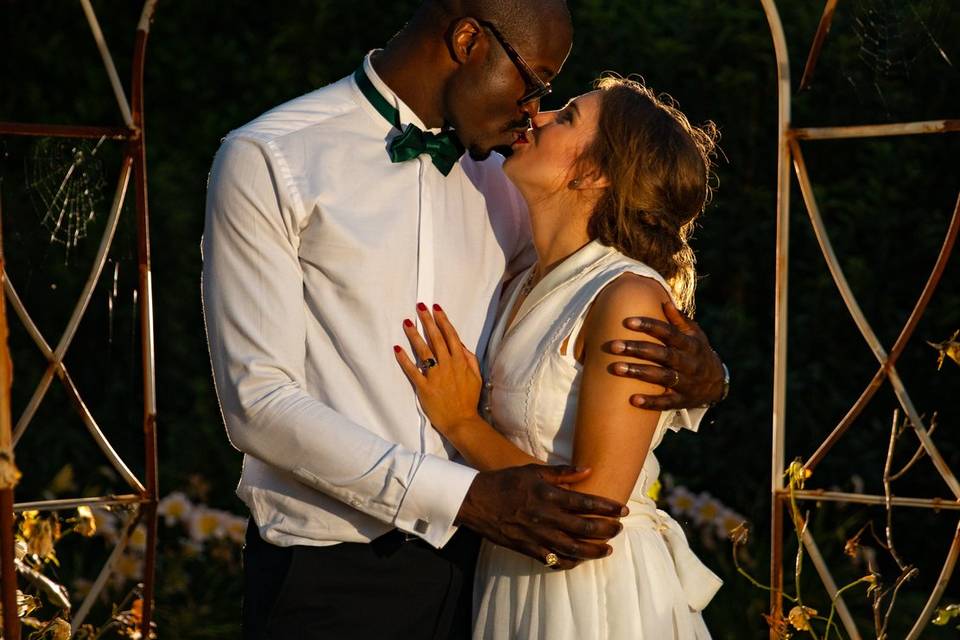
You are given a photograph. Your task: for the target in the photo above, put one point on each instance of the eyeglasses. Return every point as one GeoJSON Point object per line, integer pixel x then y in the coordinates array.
{"type": "Point", "coordinates": [537, 87]}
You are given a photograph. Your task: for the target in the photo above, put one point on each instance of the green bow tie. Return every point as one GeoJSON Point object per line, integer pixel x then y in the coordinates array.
{"type": "Point", "coordinates": [443, 148]}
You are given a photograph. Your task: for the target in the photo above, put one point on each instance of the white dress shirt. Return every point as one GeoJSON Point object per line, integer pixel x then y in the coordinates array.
{"type": "Point", "coordinates": [316, 248]}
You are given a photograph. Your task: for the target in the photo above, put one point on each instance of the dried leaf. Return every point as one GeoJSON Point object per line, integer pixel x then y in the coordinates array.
{"type": "Point", "coordinates": [800, 616]}
{"type": "Point", "coordinates": [797, 474]}
{"type": "Point", "coordinates": [949, 348]}
{"type": "Point", "coordinates": [946, 614]}
{"type": "Point", "coordinates": [9, 474]}
{"type": "Point", "coordinates": [778, 626]}
{"type": "Point", "coordinates": [26, 604]}
{"type": "Point", "coordinates": [60, 629]}
{"type": "Point", "coordinates": [86, 524]}
{"type": "Point", "coordinates": [741, 534]}
{"type": "Point", "coordinates": [55, 592]}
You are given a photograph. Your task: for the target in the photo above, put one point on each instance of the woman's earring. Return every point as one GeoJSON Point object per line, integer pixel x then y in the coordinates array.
{"type": "Point", "coordinates": [573, 184]}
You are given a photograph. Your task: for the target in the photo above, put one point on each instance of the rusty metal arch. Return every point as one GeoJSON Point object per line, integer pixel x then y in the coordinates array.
{"type": "Point", "coordinates": [789, 153]}
{"type": "Point", "coordinates": [143, 496]}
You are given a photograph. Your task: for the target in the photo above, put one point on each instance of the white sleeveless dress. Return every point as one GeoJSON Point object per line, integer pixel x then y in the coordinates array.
{"type": "Point", "coordinates": [652, 587]}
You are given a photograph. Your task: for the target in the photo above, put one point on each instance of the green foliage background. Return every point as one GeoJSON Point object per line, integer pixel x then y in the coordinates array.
{"type": "Point", "coordinates": [212, 66]}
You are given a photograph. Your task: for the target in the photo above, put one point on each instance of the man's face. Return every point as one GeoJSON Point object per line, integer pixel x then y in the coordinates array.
{"type": "Point", "coordinates": [482, 99]}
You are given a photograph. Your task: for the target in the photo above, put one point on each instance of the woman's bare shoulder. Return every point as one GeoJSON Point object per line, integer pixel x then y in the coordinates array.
{"type": "Point", "coordinates": [630, 294]}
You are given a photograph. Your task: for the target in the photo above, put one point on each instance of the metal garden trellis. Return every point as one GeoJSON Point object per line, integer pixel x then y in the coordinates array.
{"type": "Point", "coordinates": [143, 499]}
{"type": "Point", "coordinates": [789, 151]}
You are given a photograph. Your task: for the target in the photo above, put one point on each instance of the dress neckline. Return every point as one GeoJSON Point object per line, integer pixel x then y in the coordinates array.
{"type": "Point", "coordinates": [569, 268]}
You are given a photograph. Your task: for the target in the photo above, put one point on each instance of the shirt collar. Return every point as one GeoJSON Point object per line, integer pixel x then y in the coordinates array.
{"type": "Point", "coordinates": [407, 115]}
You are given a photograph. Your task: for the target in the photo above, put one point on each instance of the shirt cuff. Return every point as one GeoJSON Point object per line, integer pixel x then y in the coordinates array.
{"type": "Point", "coordinates": [687, 419]}
{"type": "Point", "coordinates": [433, 499]}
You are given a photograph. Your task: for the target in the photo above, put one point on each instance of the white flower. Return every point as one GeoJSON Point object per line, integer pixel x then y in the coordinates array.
{"type": "Point", "coordinates": [175, 506]}
{"type": "Point", "coordinates": [235, 527]}
{"type": "Point", "coordinates": [706, 509]}
{"type": "Point", "coordinates": [205, 523]}
{"type": "Point", "coordinates": [681, 501]}
{"type": "Point", "coordinates": [726, 521]}
{"type": "Point", "coordinates": [138, 538]}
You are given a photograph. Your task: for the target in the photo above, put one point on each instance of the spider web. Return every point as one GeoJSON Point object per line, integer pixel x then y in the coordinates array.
{"type": "Point", "coordinates": [66, 179]}
{"type": "Point", "coordinates": [897, 37]}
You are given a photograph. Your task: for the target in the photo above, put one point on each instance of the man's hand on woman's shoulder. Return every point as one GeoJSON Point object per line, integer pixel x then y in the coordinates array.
{"type": "Point", "coordinates": [691, 371]}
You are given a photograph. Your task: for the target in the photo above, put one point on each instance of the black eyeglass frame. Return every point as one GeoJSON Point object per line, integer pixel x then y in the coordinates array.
{"type": "Point", "coordinates": [540, 89]}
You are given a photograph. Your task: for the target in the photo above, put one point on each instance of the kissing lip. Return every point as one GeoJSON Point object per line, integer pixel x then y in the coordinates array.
{"type": "Point", "coordinates": [523, 136]}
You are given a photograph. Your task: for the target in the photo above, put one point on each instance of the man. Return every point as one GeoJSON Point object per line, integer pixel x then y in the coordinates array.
{"type": "Point", "coordinates": [328, 219]}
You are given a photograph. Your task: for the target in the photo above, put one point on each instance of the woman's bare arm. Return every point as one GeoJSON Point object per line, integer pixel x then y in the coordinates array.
{"type": "Point", "coordinates": [612, 437]}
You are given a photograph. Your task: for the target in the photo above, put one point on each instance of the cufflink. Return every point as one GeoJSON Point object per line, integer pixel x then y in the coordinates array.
{"type": "Point", "coordinates": [421, 526]}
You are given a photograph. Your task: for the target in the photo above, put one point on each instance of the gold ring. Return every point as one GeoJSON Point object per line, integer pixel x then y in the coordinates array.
{"type": "Point", "coordinates": [551, 559]}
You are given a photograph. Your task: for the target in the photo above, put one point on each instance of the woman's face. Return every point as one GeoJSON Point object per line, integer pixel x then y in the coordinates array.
{"type": "Point", "coordinates": [543, 159]}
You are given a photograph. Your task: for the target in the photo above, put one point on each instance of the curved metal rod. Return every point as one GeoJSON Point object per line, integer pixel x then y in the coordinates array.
{"type": "Point", "coordinates": [918, 427]}
{"type": "Point", "coordinates": [143, 26]}
{"type": "Point", "coordinates": [813, 551]}
{"type": "Point", "coordinates": [909, 327]}
{"type": "Point", "coordinates": [826, 248]}
{"type": "Point", "coordinates": [783, 237]}
{"type": "Point", "coordinates": [80, 308]}
{"type": "Point", "coordinates": [9, 620]}
{"type": "Point", "coordinates": [25, 318]}
{"type": "Point", "coordinates": [938, 590]}
{"type": "Point", "coordinates": [108, 62]}
{"type": "Point", "coordinates": [818, 39]}
{"type": "Point", "coordinates": [90, 422]}
{"type": "Point", "coordinates": [101, 258]}
{"type": "Point", "coordinates": [848, 419]}
{"type": "Point", "coordinates": [38, 394]}
{"type": "Point", "coordinates": [946, 249]}
{"type": "Point", "coordinates": [104, 574]}
{"type": "Point", "coordinates": [151, 477]}
{"type": "Point", "coordinates": [41, 389]}
{"type": "Point", "coordinates": [780, 305]}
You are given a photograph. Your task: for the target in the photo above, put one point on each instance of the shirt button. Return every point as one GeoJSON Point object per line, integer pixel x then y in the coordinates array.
{"type": "Point", "coordinates": [486, 408]}
{"type": "Point", "coordinates": [355, 502]}
{"type": "Point", "coordinates": [488, 385]}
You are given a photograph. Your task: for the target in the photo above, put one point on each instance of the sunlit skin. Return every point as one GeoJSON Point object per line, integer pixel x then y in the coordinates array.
{"type": "Point", "coordinates": [541, 167]}
{"type": "Point", "coordinates": [611, 437]}
{"type": "Point", "coordinates": [453, 72]}
{"type": "Point", "coordinates": [463, 78]}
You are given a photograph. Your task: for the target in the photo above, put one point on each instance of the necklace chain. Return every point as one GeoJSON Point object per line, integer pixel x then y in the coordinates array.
{"type": "Point", "coordinates": [528, 285]}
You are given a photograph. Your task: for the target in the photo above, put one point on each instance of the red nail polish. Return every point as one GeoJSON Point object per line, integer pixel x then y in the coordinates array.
{"type": "Point", "coordinates": [421, 306]}
{"type": "Point", "coordinates": [396, 348]}
{"type": "Point", "coordinates": [407, 323]}
{"type": "Point", "coordinates": [437, 307]}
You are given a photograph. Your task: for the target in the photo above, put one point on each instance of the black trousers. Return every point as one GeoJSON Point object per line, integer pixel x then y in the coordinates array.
{"type": "Point", "coordinates": [389, 588]}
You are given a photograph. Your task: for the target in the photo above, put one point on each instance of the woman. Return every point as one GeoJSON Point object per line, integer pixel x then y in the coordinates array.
{"type": "Point", "coordinates": [614, 182]}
